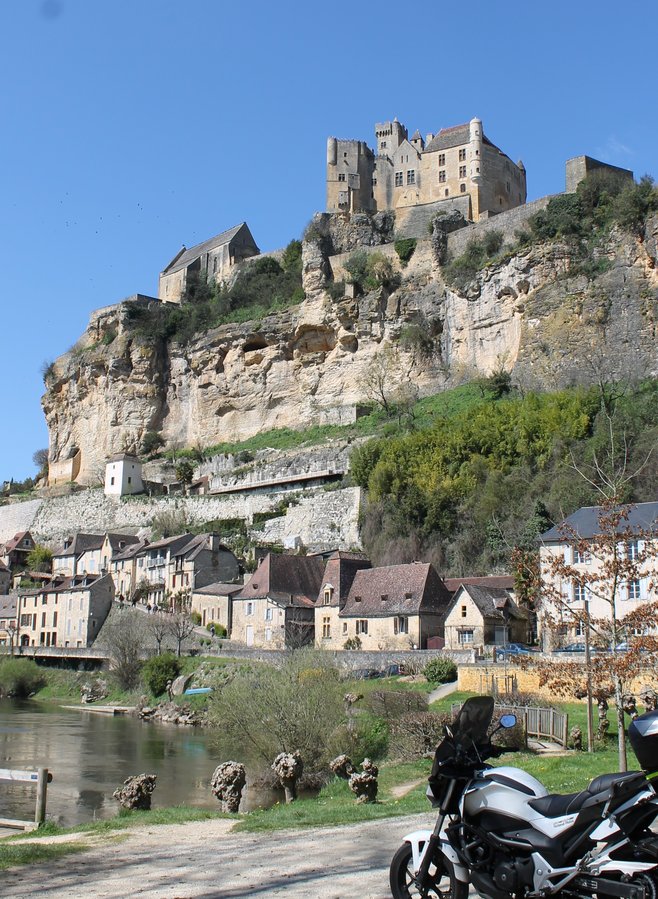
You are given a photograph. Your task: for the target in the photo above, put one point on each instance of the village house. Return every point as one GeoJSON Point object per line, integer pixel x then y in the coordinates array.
{"type": "Point", "coordinates": [176, 566]}
{"type": "Point", "coordinates": [8, 626]}
{"type": "Point", "coordinates": [276, 607]}
{"type": "Point", "coordinates": [68, 612]}
{"type": "Point", "coordinates": [5, 579]}
{"type": "Point", "coordinates": [123, 475]}
{"type": "Point", "coordinates": [214, 604]}
{"type": "Point", "coordinates": [480, 616]}
{"type": "Point", "coordinates": [339, 573]}
{"type": "Point", "coordinates": [578, 542]}
{"type": "Point", "coordinates": [89, 553]}
{"type": "Point", "coordinates": [14, 553]}
{"type": "Point", "coordinates": [216, 258]}
{"type": "Point", "coordinates": [127, 567]}
{"type": "Point", "coordinates": [395, 607]}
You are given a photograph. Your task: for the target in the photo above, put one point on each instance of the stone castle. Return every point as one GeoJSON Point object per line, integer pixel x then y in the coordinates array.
{"type": "Point", "coordinates": [459, 165]}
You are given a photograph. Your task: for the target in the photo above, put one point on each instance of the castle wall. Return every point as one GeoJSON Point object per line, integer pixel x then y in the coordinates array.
{"type": "Point", "coordinates": [507, 223]}
{"type": "Point", "coordinates": [579, 167]}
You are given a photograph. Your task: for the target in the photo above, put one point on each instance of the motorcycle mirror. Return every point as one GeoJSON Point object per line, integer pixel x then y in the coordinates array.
{"type": "Point", "coordinates": [507, 721]}
{"type": "Point", "coordinates": [448, 732]}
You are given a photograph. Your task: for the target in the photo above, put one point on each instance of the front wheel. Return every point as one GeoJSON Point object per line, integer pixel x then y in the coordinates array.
{"type": "Point", "coordinates": [442, 883]}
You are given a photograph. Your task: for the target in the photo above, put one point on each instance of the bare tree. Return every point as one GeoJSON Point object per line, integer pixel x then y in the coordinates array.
{"type": "Point", "coordinates": [123, 635]}
{"type": "Point", "coordinates": [158, 626]}
{"type": "Point", "coordinates": [180, 627]}
{"type": "Point", "coordinates": [604, 569]}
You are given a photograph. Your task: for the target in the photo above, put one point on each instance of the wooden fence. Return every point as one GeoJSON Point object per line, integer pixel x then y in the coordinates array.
{"type": "Point", "coordinates": [546, 724]}
{"type": "Point", "coordinates": [40, 779]}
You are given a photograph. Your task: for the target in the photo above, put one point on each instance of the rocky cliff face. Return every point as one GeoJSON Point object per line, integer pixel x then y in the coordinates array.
{"type": "Point", "coordinates": [536, 314]}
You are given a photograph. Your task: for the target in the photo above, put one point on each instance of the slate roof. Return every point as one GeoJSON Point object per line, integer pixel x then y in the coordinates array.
{"type": "Point", "coordinates": [280, 574]}
{"type": "Point", "coordinates": [506, 581]}
{"type": "Point", "coordinates": [115, 541]}
{"type": "Point", "coordinates": [193, 253]}
{"type": "Point", "coordinates": [585, 523]}
{"type": "Point", "coordinates": [218, 589]}
{"type": "Point", "coordinates": [492, 602]}
{"type": "Point", "coordinates": [81, 543]}
{"type": "Point", "coordinates": [171, 543]}
{"type": "Point", "coordinates": [408, 590]}
{"type": "Point", "coordinates": [8, 605]}
{"type": "Point", "coordinates": [456, 136]}
{"type": "Point", "coordinates": [131, 551]}
{"type": "Point", "coordinates": [61, 585]}
{"type": "Point", "coordinates": [123, 457]}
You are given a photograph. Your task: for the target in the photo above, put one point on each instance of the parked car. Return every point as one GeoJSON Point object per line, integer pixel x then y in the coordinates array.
{"type": "Point", "coordinates": [514, 649]}
{"type": "Point", "coordinates": [575, 647]}
{"type": "Point", "coordinates": [365, 674]}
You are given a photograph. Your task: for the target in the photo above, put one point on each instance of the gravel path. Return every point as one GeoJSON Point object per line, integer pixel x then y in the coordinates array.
{"type": "Point", "coordinates": [204, 859]}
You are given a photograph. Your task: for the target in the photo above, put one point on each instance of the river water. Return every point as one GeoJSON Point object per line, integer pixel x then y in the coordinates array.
{"type": "Point", "coordinates": [90, 755]}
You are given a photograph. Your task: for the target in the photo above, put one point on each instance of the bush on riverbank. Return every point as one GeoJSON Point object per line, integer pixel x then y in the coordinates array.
{"type": "Point", "coordinates": [159, 670]}
{"type": "Point", "coordinates": [20, 678]}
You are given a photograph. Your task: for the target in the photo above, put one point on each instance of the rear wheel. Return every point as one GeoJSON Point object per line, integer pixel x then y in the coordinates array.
{"type": "Point", "coordinates": [442, 883]}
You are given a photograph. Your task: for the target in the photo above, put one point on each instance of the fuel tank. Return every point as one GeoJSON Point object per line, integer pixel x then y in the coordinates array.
{"type": "Point", "coordinates": [503, 790]}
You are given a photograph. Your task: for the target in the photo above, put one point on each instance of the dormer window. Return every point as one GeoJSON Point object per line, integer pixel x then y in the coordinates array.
{"type": "Point", "coordinates": [328, 593]}
{"type": "Point", "coordinates": [384, 597]}
{"type": "Point", "coordinates": [357, 599]}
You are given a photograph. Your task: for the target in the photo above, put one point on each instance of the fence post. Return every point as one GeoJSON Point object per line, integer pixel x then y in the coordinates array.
{"type": "Point", "coordinates": [565, 730]}
{"type": "Point", "coordinates": [42, 787]}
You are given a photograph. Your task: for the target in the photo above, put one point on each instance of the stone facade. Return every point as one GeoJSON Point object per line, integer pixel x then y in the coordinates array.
{"type": "Point", "coordinates": [123, 475]}
{"type": "Point", "coordinates": [579, 167]}
{"type": "Point", "coordinates": [215, 258]}
{"type": "Point", "coordinates": [402, 172]}
{"type": "Point", "coordinates": [66, 613]}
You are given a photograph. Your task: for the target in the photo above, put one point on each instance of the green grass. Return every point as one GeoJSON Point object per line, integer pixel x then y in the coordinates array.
{"type": "Point", "coordinates": [34, 853]}
{"type": "Point", "coordinates": [336, 803]}
{"type": "Point", "coordinates": [425, 412]}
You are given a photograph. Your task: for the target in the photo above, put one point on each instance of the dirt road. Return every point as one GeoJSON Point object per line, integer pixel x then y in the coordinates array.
{"type": "Point", "coordinates": [203, 859]}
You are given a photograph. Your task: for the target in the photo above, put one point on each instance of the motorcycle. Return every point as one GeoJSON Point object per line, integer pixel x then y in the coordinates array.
{"type": "Point", "coordinates": [499, 829]}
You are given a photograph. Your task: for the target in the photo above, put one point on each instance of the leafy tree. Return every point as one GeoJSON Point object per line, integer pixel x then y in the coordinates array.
{"type": "Point", "coordinates": [159, 670]}
{"type": "Point", "coordinates": [185, 472]}
{"type": "Point", "coordinates": [40, 559]}
{"type": "Point", "coordinates": [405, 249]}
{"type": "Point", "coordinates": [20, 678]}
{"type": "Point", "coordinates": [291, 261]}
{"type": "Point", "coordinates": [295, 706]}
{"type": "Point", "coordinates": [151, 442]}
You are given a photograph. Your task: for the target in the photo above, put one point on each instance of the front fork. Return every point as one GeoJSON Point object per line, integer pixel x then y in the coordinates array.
{"type": "Point", "coordinates": [422, 875]}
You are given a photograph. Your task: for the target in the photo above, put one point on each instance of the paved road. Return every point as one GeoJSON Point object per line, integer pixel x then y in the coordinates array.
{"type": "Point", "coordinates": [203, 861]}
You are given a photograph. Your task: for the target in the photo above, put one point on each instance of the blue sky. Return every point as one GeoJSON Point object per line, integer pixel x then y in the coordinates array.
{"type": "Point", "coordinates": [131, 127]}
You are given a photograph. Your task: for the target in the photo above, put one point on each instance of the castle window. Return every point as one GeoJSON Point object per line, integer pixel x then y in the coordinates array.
{"type": "Point", "coordinates": [411, 176]}
{"type": "Point", "coordinates": [341, 176]}
{"type": "Point", "coordinates": [345, 153]}
{"type": "Point", "coordinates": [442, 158]}
{"type": "Point", "coordinates": [462, 171]}
{"type": "Point", "coordinates": [374, 180]}
{"type": "Point", "coordinates": [399, 179]}
{"type": "Point", "coordinates": [446, 192]}
{"type": "Point", "coordinates": [383, 145]}
{"type": "Point", "coordinates": [326, 628]}
{"type": "Point", "coordinates": [442, 176]}
{"type": "Point", "coordinates": [462, 188]}
{"type": "Point", "coordinates": [462, 155]}
{"type": "Point", "coordinates": [508, 187]}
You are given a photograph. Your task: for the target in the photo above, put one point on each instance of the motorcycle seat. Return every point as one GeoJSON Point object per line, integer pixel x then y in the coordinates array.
{"type": "Point", "coordinates": [556, 805]}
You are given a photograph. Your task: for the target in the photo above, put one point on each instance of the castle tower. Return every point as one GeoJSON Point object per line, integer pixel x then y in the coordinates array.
{"type": "Point", "coordinates": [476, 161]}
{"type": "Point", "coordinates": [389, 136]}
{"type": "Point", "coordinates": [350, 169]}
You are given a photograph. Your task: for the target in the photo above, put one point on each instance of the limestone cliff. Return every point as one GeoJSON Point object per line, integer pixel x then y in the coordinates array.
{"type": "Point", "coordinates": [534, 313]}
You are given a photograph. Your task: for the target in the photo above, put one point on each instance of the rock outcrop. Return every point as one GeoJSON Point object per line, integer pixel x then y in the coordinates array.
{"type": "Point", "coordinates": [537, 314]}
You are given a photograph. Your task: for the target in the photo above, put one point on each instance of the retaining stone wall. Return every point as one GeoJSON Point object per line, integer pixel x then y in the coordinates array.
{"type": "Point", "coordinates": [17, 517]}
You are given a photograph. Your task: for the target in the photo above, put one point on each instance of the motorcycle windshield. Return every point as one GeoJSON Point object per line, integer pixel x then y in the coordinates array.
{"type": "Point", "coordinates": [469, 727]}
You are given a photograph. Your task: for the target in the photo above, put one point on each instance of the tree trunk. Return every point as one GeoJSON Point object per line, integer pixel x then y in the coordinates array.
{"type": "Point", "coordinates": [621, 731]}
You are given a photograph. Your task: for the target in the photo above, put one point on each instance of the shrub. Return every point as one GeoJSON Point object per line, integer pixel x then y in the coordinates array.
{"type": "Point", "coordinates": [151, 442]}
{"type": "Point", "coordinates": [20, 678]}
{"type": "Point", "coordinates": [440, 671]}
{"type": "Point", "coordinates": [159, 670]}
{"type": "Point", "coordinates": [405, 249]}
{"type": "Point", "coordinates": [464, 268]}
{"type": "Point", "coordinates": [416, 734]}
{"type": "Point", "coordinates": [220, 630]}
{"type": "Point", "coordinates": [109, 337]}
{"type": "Point", "coordinates": [196, 617]}
{"type": "Point", "coordinates": [352, 643]}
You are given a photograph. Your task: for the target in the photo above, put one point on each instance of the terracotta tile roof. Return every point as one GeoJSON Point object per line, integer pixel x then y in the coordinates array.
{"type": "Point", "coordinates": [506, 581]}
{"type": "Point", "coordinates": [396, 590]}
{"type": "Point", "coordinates": [297, 576]}
{"type": "Point", "coordinates": [339, 572]}
{"type": "Point", "coordinates": [16, 539]}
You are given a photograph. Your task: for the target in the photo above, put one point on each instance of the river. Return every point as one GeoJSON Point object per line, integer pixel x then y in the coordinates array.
{"type": "Point", "coordinates": [91, 754]}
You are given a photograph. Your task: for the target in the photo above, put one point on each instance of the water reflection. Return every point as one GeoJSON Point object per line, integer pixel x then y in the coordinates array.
{"type": "Point", "coordinates": [90, 755]}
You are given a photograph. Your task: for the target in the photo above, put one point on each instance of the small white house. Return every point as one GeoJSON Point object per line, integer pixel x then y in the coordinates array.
{"type": "Point", "coordinates": [123, 475]}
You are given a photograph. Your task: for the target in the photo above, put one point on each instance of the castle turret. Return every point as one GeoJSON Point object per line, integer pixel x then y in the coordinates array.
{"type": "Point", "coordinates": [332, 151]}
{"type": "Point", "coordinates": [389, 136]}
{"type": "Point", "coordinates": [475, 129]}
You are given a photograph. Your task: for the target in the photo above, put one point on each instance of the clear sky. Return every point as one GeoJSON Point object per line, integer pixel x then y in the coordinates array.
{"type": "Point", "coordinates": [131, 127]}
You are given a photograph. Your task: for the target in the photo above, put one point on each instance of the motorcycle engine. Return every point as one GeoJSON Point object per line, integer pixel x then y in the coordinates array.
{"type": "Point", "coordinates": [492, 871]}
